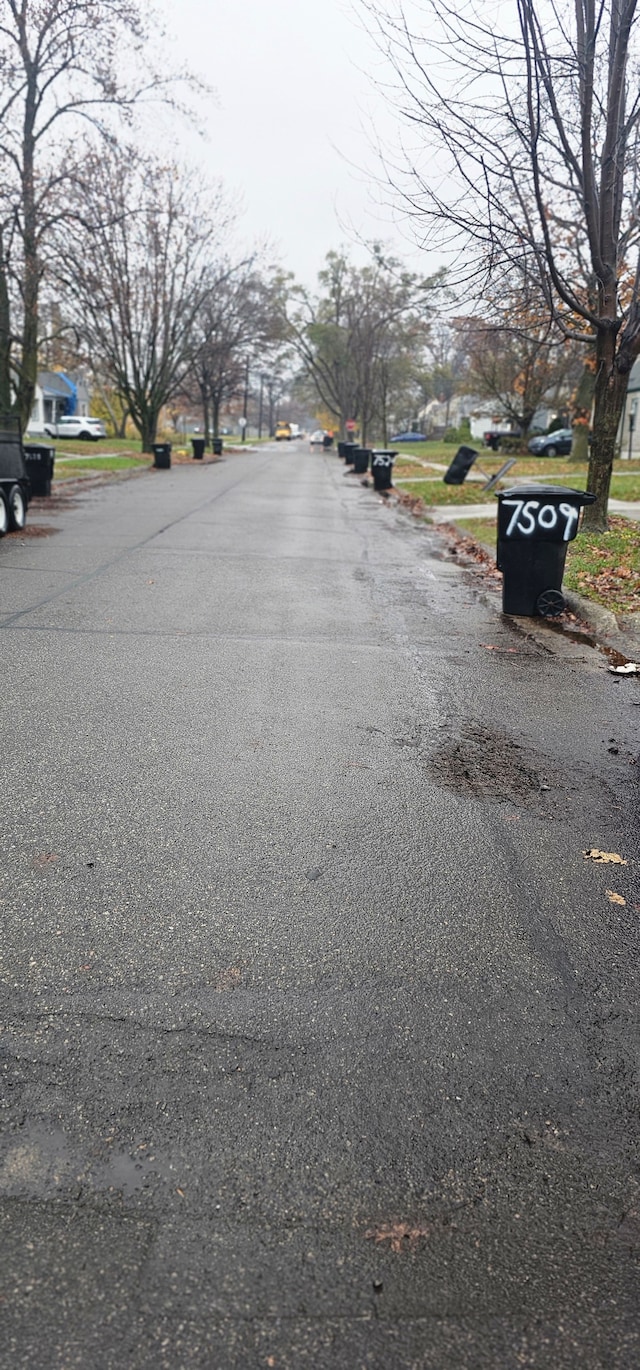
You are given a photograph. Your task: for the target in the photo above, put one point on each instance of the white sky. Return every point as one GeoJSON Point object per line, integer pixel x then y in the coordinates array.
{"type": "Point", "coordinates": [290, 130]}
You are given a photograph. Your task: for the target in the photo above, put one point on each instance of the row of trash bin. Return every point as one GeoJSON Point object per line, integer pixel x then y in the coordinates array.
{"type": "Point", "coordinates": [362, 458]}
{"type": "Point", "coordinates": [40, 458]}
{"type": "Point", "coordinates": [535, 522]}
{"type": "Point", "coordinates": [162, 451]}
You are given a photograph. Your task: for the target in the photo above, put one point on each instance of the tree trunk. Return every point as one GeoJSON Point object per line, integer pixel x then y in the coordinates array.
{"type": "Point", "coordinates": [31, 280]}
{"type": "Point", "coordinates": [5, 338]}
{"type": "Point", "coordinates": [582, 414]}
{"type": "Point", "coordinates": [215, 404]}
{"type": "Point", "coordinates": [148, 429]}
{"type": "Point", "coordinates": [609, 393]}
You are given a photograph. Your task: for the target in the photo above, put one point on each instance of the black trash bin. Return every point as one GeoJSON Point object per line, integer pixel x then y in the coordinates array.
{"type": "Point", "coordinates": [39, 462]}
{"type": "Point", "coordinates": [327, 441]}
{"type": "Point", "coordinates": [198, 448]}
{"type": "Point", "coordinates": [162, 455]}
{"type": "Point", "coordinates": [341, 452]}
{"type": "Point", "coordinates": [349, 449]}
{"type": "Point", "coordinates": [535, 525]}
{"type": "Point", "coordinates": [459, 468]}
{"type": "Point", "coordinates": [360, 459]}
{"type": "Point", "coordinates": [382, 469]}
{"type": "Point", "coordinates": [217, 447]}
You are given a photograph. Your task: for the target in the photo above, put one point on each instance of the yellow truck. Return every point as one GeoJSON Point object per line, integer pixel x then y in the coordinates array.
{"type": "Point", "coordinates": [283, 432]}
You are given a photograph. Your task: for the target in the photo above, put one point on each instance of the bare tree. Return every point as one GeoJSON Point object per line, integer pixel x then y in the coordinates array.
{"type": "Point", "coordinates": [241, 316]}
{"type": "Point", "coordinates": [519, 359]}
{"type": "Point", "coordinates": [532, 133]}
{"type": "Point", "coordinates": [350, 338]}
{"type": "Point", "coordinates": [63, 64]}
{"type": "Point", "coordinates": [136, 265]}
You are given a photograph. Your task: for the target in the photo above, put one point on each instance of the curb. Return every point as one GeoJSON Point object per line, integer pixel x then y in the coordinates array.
{"type": "Point", "coordinates": [623, 633]}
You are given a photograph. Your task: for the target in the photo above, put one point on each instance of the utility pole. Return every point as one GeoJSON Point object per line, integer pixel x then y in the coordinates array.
{"type": "Point", "coordinates": [246, 398]}
{"type": "Point", "coordinates": [260, 405]}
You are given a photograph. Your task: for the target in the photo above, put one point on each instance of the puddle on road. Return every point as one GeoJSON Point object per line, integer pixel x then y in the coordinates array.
{"type": "Point", "coordinates": [587, 639]}
{"type": "Point", "coordinates": [40, 1160]}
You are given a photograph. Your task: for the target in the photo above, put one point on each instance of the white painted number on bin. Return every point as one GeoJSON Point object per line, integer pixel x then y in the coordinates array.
{"type": "Point", "coordinates": [527, 515]}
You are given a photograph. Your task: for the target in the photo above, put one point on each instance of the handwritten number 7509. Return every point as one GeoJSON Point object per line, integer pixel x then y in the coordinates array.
{"type": "Point", "coordinates": [529, 514]}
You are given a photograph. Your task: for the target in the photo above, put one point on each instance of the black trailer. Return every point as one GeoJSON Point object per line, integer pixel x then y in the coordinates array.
{"type": "Point", "coordinates": [15, 486]}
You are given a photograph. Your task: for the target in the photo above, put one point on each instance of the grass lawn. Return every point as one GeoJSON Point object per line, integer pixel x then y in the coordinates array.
{"type": "Point", "coordinates": [67, 466]}
{"type": "Point", "coordinates": [436, 492]}
{"type": "Point", "coordinates": [481, 530]}
{"type": "Point", "coordinates": [68, 447]}
{"type": "Point", "coordinates": [622, 486]}
{"type": "Point", "coordinates": [605, 566]}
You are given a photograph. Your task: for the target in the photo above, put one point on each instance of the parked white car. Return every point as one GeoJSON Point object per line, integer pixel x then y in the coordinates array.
{"type": "Point", "coordinates": [77, 426]}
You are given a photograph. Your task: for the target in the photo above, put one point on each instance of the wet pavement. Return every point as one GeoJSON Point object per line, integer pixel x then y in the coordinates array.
{"type": "Point", "coordinates": [320, 1029]}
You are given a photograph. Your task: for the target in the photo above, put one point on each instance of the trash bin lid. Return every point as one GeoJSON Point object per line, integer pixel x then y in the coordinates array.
{"type": "Point", "coordinates": [560, 493]}
{"type": "Point", "coordinates": [542, 513]}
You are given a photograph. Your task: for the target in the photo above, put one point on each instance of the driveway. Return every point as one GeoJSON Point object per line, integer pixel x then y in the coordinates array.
{"type": "Point", "coordinates": [320, 1030]}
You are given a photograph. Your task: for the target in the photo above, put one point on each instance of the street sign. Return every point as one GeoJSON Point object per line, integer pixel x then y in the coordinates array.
{"type": "Point", "coordinates": [350, 426]}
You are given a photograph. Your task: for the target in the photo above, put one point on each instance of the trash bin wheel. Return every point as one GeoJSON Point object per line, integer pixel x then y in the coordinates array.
{"type": "Point", "coordinates": [17, 509]}
{"type": "Point", "coordinates": [4, 516]}
{"type": "Point", "coordinates": [550, 603]}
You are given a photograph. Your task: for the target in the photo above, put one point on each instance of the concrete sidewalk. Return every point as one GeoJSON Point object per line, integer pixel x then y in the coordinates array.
{"type": "Point", "coordinates": [454, 513]}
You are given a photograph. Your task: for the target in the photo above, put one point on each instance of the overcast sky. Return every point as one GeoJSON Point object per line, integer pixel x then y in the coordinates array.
{"type": "Point", "coordinates": [290, 126]}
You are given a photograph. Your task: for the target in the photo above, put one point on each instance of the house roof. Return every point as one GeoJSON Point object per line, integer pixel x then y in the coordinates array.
{"type": "Point", "coordinates": [54, 385]}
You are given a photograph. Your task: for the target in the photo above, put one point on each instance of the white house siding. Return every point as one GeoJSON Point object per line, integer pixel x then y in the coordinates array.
{"type": "Point", "coordinates": [629, 430]}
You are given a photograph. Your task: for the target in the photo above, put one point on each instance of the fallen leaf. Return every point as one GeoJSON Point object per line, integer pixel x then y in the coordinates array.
{"type": "Point", "coordinates": [604, 857]}
{"type": "Point", "coordinates": [615, 898]}
{"type": "Point", "coordinates": [228, 979]}
{"type": "Point", "coordinates": [46, 858]}
{"type": "Point", "coordinates": [400, 1236]}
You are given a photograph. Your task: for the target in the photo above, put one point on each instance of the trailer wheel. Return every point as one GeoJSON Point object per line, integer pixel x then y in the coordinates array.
{"type": "Point", "coordinates": [4, 515]}
{"type": "Point", "coordinates": [17, 508]}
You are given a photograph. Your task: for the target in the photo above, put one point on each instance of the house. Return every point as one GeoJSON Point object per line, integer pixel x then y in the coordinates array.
{"type": "Point", "coordinates": [57, 394]}
{"type": "Point", "coordinates": [629, 430]}
{"type": "Point", "coordinates": [482, 414]}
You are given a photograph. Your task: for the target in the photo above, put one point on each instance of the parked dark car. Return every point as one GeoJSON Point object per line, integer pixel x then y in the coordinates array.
{"type": "Point", "coordinates": [409, 437]}
{"type": "Point", "coordinates": [556, 444]}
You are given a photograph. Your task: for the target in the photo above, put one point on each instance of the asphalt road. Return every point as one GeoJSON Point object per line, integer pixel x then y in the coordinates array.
{"type": "Point", "coordinates": [319, 1033]}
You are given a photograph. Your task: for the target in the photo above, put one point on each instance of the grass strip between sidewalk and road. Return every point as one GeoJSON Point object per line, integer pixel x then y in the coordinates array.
{"type": "Point", "coordinates": [437, 493]}
{"type": "Point", "coordinates": [74, 466]}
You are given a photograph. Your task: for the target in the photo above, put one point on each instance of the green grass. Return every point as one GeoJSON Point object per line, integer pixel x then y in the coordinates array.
{"type": "Point", "coordinates": [481, 530]}
{"type": "Point", "coordinates": [77, 466]}
{"type": "Point", "coordinates": [622, 486]}
{"type": "Point", "coordinates": [604, 566]}
{"type": "Point", "coordinates": [66, 447]}
{"type": "Point", "coordinates": [436, 492]}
